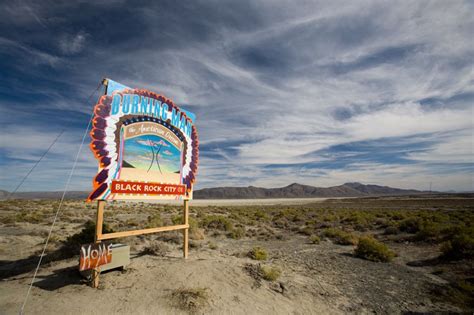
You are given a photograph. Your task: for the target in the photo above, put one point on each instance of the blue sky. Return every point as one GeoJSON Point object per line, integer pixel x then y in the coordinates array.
{"type": "Point", "coordinates": [138, 153]}
{"type": "Point", "coordinates": [319, 93]}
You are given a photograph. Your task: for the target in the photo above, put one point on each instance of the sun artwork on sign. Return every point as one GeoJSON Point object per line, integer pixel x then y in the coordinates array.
{"type": "Point", "coordinates": [146, 145]}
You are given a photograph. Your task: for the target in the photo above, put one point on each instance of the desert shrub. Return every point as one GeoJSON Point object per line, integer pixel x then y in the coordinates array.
{"type": "Point", "coordinates": [361, 227]}
{"type": "Point", "coordinates": [212, 245]}
{"type": "Point", "coordinates": [178, 219]}
{"type": "Point", "coordinates": [439, 217]}
{"type": "Point", "coordinates": [270, 273]}
{"type": "Point", "coordinates": [459, 293]}
{"type": "Point", "coordinates": [428, 230]}
{"type": "Point", "coordinates": [195, 233]}
{"type": "Point", "coordinates": [8, 219]}
{"type": "Point", "coordinates": [191, 300]}
{"type": "Point", "coordinates": [193, 223]}
{"type": "Point", "coordinates": [330, 218]}
{"type": "Point", "coordinates": [281, 223]}
{"type": "Point", "coordinates": [259, 215]}
{"type": "Point", "coordinates": [314, 239]}
{"type": "Point", "coordinates": [72, 244]}
{"type": "Point", "coordinates": [281, 237]}
{"type": "Point", "coordinates": [259, 272]}
{"type": "Point", "coordinates": [265, 233]}
{"type": "Point", "coordinates": [373, 250]}
{"type": "Point", "coordinates": [391, 230]}
{"type": "Point", "coordinates": [339, 236]}
{"type": "Point", "coordinates": [458, 247]}
{"type": "Point", "coordinates": [306, 230]}
{"type": "Point", "coordinates": [397, 215]}
{"type": "Point", "coordinates": [361, 219]}
{"type": "Point", "coordinates": [55, 239]}
{"type": "Point", "coordinates": [29, 216]}
{"type": "Point", "coordinates": [297, 218]}
{"type": "Point", "coordinates": [156, 249]}
{"type": "Point", "coordinates": [237, 233]}
{"type": "Point", "coordinates": [382, 222]}
{"type": "Point", "coordinates": [289, 214]}
{"type": "Point", "coordinates": [239, 217]}
{"type": "Point", "coordinates": [154, 220]}
{"type": "Point", "coordinates": [217, 222]}
{"type": "Point", "coordinates": [466, 286]}
{"type": "Point", "coordinates": [286, 213]}
{"type": "Point", "coordinates": [132, 222]}
{"type": "Point", "coordinates": [410, 225]}
{"type": "Point", "coordinates": [257, 253]}
{"type": "Point", "coordinates": [466, 292]}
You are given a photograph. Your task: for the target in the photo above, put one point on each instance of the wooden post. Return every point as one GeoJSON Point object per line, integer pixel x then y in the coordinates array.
{"type": "Point", "coordinates": [109, 236]}
{"type": "Point", "coordinates": [98, 233]}
{"type": "Point", "coordinates": [186, 230]}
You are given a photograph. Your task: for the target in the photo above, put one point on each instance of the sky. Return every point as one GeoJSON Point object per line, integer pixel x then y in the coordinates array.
{"type": "Point", "coordinates": [314, 92]}
{"type": "Point", "coordinates": [138, 152]}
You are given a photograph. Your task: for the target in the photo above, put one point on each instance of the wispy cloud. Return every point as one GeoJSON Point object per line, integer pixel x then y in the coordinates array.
{"type": "Point", "coordinates": [35, 56]}
{"type": "Point", "coordinates": [71, 44]}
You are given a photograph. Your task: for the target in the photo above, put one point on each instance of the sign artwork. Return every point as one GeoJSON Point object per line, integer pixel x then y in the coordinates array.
{"type": "Point", "coordinates": [147, 147]}
{"type": "Point", "coordinates": [95, 255]}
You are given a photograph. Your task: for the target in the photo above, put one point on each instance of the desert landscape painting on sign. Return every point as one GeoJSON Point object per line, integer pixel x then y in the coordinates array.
{"type": "Point", "coordinates": [150, 156]}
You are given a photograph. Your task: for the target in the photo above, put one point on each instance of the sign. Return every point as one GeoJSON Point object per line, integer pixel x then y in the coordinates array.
{"type": "Point", "coordinates": [123, 187]}
{"type": "Point", "coordinates": [147, 147]}
{"type": "Point", "coordinates": [95, 255]}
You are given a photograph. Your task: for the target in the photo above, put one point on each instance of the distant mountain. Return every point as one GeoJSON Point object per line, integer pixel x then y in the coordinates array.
{"type": "Point", "coordinates": [44, 195]}
{"type": "Point", "coordinates": [296, 190]}
{"type": "Point", "coordinates": [4, 194]}
{"type": "Point", "coordinates": [126, 164]}
{"type": "Point", "coordinates": [291, 191]}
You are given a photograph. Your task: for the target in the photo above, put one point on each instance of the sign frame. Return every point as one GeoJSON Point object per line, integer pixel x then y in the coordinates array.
{"type": "Point", "coordinates": [125, 122]}
{"type": "Point", "coordinates": [100, 236]}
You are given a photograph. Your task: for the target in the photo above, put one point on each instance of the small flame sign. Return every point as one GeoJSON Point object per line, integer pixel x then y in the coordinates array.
{"type": "Point", "coordinates": [95, 255]}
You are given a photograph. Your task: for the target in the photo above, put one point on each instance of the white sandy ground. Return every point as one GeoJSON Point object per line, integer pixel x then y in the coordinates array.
{"type": "Point", "coordinates": [248, 202]}
{"type": "Point", "coordinates": [145, 288]}
{"type": "Point", "coordinates": [318, 279]}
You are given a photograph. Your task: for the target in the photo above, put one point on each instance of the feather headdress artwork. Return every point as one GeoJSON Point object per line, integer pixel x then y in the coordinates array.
{"type": "Point", "coordinates": [166, 131]}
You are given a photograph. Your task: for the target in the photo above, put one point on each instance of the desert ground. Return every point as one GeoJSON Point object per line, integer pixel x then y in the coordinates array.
{"type": "Point", "coordinates": [385, 255]}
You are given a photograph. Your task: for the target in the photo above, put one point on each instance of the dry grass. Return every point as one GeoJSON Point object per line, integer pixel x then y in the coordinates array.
{"type": "Point", "coordinates": [191, 300]}
{"type": "Point", "coordinates": [339, 236]}
{"type": "Point", "coordinates": [373, 250]}
{"type": "Point", "coordinates": [212, 245]}
{"type": "Point", "coordinates": [270, 273]}
{"type": "Point", "coordinates": [259, 272]}
{"type": "Point", "coordinates": [258, 253]}
{"type": "Point", "coordinates": [156, 248]}
{"type": "Point", "coordinates": [460, 246]}
{"type": "Point", "coordinates": [154, 220]}
{"type": "Point", "coordinates": [314, 239]}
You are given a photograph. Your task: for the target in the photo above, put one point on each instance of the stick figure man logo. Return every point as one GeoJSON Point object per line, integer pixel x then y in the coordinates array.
{"type": "Point", "coordinates": [155, 155]}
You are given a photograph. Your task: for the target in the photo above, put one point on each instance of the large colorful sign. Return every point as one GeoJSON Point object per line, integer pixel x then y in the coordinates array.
{"type": "Point", "coordinates": [147, 147]}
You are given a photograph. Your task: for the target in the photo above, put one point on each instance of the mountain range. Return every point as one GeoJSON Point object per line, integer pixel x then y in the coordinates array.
{"type": "Point", "coordinates": [294, 190]}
